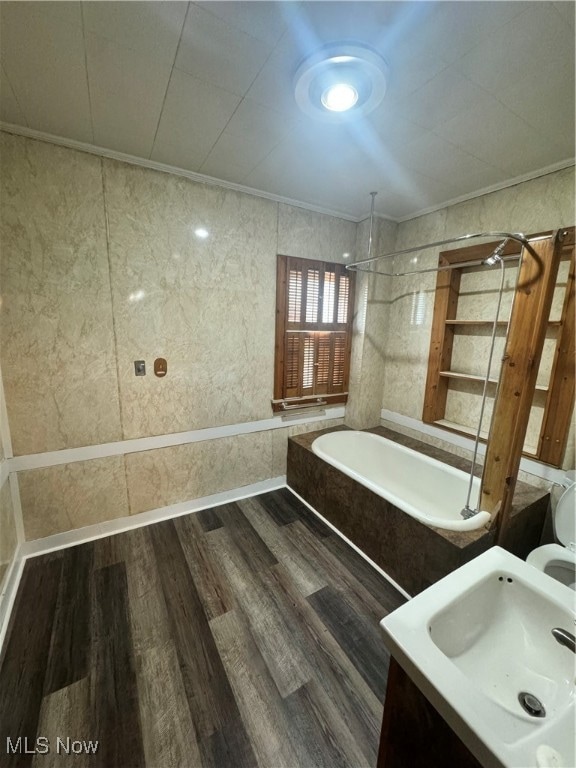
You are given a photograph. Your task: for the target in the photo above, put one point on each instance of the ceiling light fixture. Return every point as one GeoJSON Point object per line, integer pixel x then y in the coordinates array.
{"type": "Point", "coordinates": [341, 81]}
{"type": "Point", "coordinates": [339, 97]}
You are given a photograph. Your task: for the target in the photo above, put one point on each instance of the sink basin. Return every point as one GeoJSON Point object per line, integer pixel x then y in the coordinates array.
{"type": "Point", "coordinates": [479, 645]}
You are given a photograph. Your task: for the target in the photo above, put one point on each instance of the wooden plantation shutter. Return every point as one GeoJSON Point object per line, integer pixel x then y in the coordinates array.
{"type": "Point", "coordinates": [313, 332]}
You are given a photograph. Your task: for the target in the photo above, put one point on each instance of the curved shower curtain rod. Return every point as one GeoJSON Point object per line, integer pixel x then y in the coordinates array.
{"type": "Point", "coordinates": [364, 264]}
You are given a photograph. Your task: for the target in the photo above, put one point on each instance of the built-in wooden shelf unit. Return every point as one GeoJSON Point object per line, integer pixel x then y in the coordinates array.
{"type": "Point", "coordinates": [556, 390]}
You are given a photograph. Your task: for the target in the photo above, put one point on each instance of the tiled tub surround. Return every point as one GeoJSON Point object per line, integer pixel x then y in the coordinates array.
{"type": "Point", "coordinates": [411, 553]}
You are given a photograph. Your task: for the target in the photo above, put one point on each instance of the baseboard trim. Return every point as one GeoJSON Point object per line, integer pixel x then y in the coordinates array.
{"type": "Point", "coordinates": [110, 527]}
{"type": "Point", "coordinates": [362, 554]}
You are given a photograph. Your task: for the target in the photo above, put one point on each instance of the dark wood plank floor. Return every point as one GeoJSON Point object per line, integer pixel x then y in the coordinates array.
{"type": "Point", "coordinates": [243, 635]}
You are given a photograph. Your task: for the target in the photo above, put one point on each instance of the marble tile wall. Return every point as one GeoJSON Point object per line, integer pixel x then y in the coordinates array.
{"type": "Point", "coordinates": [102, 266]}
{"type": "Point", "coordinates": [310, 235]}
{"type": "Point", "coordinates": [367, 364]}
{"type": "Point", "coordinates": [541, 204]}
{"type": "Point", "coordinates": [57, 352]}
{"type": "Point", "coordinates": [206, 305]}
{"type": "Point", "coordinates": [68, 496]}
{"type": "Point", "coordinates": [60, 498]}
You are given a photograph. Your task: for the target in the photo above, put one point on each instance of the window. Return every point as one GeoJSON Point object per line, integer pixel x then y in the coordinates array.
{"type": "Point", "coordinates": [313, 333]}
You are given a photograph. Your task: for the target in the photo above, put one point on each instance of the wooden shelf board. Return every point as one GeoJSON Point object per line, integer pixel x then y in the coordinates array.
{"type": "Point", "coordinates": [465, 376]}
{"type": "Point", "coordinates": [500, 323]}
{"type": "Point", "coordinates": [529, 450]}
{"type": "Point", "coordinates": [476, 322]}
{"type": "Point", "coordinates": [473, 377]}
{"type": "Point", "coordinates": [460, 428]}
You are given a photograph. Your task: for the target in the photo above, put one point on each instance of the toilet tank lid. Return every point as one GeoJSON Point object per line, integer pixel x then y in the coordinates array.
{"type": "Point", "coordinates": [565, 517]}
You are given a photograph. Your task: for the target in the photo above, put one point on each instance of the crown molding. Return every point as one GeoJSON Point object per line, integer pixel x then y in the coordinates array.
{"type": "Point", "coordinates": [201, 178]}
{"type": "Point", "coordinates": [111, 154]}
{"type": "Point", "coordinates": [562, 165]}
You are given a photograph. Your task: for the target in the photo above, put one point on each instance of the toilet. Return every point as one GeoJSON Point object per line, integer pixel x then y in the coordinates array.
{"type": "Point", "coordinates": [559, 560]}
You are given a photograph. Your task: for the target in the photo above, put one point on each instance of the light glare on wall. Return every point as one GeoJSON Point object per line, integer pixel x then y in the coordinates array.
{"type": "Point", "coordinates": [136, 295]}
{"type": "Point", "coordinates": [418, 314]}
{"type": "Point", "coordinates": [201, 233]}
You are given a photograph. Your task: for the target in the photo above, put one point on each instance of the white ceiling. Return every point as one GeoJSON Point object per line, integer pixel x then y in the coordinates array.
{"type": "Point", "coordinates": [479, 93]}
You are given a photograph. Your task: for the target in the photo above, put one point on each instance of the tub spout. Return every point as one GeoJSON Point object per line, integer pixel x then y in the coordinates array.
{"type": "Point", "coordinates": [467, 513]}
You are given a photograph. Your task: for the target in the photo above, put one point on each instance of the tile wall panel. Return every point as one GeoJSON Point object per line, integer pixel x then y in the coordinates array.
{"type": "Point", "coordinates": [68, 496]}
{"type": "Point", "coordinates": [167, 476]}
{"type": "Point", "coordinates": [206, 305]}
{"type": "Point", "coordinates": [57, 351]}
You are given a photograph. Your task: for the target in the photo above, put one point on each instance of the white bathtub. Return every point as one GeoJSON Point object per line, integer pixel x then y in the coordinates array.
{"type": "Point", "coordinates": [424, 488]}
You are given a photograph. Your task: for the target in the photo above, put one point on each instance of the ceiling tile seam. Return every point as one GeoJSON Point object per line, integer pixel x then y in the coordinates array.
{"type": "Point", "coordinates": [234, 26]}
{"type": "Point", "coordinates": [15, 95]}
{"type": "Point", "coordinates": [533, 127]}
{"type": "Point", "coordinates": [465, 151]}
{"type": "Point", "coordinates": [504, 104]}
{"type": "Point", "coordinates": [172, 68]}
{"type": "Point", "coordinates": [242, 99]}
{"type": "Point", "coordinates": [492, 94]}
{"type": "Point", "coordinates": [86, 71]}
{"type": "Point", "coordinates": [511, 21]}
{"type": "Point", "coordinates": [557, 10]}
{"type": "Point", "coordinates": [253, 168]}
{"type": "Point", "coordinates": [209, 83]}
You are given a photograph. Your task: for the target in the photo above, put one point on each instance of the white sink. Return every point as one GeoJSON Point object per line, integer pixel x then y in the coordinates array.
{"type": "Point", "coordinates": [481, 637]}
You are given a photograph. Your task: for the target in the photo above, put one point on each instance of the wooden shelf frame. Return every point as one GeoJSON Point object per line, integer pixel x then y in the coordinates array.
{"type": "Point", "coordinates": [529, 326]}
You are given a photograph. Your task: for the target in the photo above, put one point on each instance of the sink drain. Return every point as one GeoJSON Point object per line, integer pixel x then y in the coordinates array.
{"type": "Point", "coordinates": [531, 704]}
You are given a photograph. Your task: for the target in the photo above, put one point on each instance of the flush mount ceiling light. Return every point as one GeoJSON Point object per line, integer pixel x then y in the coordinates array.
{"type": "Point", "coordinates": [340, 82]}
{"type": "Point", "coordinates": [340, 97]}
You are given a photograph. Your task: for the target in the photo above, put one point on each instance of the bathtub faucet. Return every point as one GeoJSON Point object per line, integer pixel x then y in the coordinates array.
{"type": "Point", "coordinates": [467, 512]}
